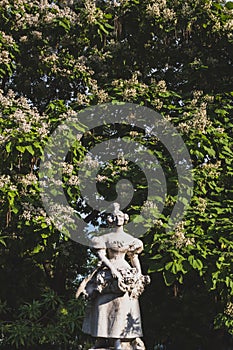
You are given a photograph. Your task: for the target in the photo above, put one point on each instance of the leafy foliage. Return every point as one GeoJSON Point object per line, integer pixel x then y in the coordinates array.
{"type": "Point", "coordinates": [48, 321]}
{"type": "Point", "coordinates": [58, 57]}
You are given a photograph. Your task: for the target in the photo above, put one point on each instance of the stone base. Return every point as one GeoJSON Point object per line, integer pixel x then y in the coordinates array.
{"type": "Point", "coordinates": [136, 344]}
{"type": "Point", "coordinates": [109, 348]}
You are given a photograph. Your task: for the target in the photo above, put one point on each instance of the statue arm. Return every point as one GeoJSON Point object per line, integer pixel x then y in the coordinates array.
{"type": "Point", "coordinates": [102, 256]}
{"type": "Point", "coordinates": [134, 259]}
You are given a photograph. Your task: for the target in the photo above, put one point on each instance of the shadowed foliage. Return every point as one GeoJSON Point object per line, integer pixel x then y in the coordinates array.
{"type": "Point", "coordinates": [58, 57]}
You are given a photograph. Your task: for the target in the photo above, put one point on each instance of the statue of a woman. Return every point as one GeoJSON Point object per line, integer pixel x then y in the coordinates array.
{"type": "Point", "coordinates": [113, 314]}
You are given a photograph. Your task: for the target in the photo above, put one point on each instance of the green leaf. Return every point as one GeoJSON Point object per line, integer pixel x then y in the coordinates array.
{"type": "Point", "coordinates": [21, 148]}
{"type": "Point", "coordinates": [169, 278]}
{"type": "Point", "coordinates": [195, 263]}
{"type": "Point", "coordinates": [2, 240]}
{"type": "Point", "coordinates": [229, 5]}
{"type": "Point", "coordinates": [8, 147]}
{"type": "Point", "coordinates": [168, 265]}
{"type": "Point", "coordinates": [30, 149]}
{"type": "Point", "coordinates": [101, 27]}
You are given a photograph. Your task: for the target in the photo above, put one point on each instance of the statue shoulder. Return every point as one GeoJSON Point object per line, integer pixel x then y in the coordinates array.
{"type": "Point", "coordinates": [135, 246]}
{"type": "Point", "coordinates": [125, 242]}
{"type": "Point", "coordinates": [98, 243]}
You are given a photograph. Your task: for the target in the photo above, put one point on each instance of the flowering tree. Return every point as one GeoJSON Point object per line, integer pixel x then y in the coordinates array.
{"type": "Point", "coordinates": [58, 57]}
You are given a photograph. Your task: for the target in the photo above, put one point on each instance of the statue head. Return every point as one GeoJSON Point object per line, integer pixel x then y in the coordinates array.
{"type": "Point", "coordinates": [117, 217]}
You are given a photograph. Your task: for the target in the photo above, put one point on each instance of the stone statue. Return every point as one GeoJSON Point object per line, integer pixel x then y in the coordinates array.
{"type": "Point", "coordinates": [113, 313]}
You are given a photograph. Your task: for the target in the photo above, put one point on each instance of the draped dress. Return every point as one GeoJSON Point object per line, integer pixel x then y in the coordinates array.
{"type": "Point", "coordinates": [113, 311]}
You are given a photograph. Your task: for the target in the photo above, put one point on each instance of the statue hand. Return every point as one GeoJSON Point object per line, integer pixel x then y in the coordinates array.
{"type": "Point", "coordinates": [138, 274]}
{"type": "Point", "coordinates": [117, 274]}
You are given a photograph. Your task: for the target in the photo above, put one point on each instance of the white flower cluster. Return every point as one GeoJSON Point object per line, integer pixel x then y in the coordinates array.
{"type": "Point", "coordinates": [64, 67]}
{"type": "Point", "coordinates": [131, 88]}
{"type": "Point", "coordinates": [154, 8]}
{"type": "Point", "coordinates": [159, 8]}
{"type": "Point", "coordinates": [213, 169]}
{"type": "Point", "coordinates": [102, 96]}
{"type": "Point", "coordinates": [50, 14]}
{"type": "Point", "coordinates": [162, 86]}
{"type": "Point", "coordinates": [81, 67]}
{"type": "Point", "coordinates": [208, 98]}
{"type": "Point", "coordinates": [93, 13]}
{"type": "Point", "coordinates": [168, 14]}
{"type": "Point", "coordinates": [23, 39]}
{"type": "Point", "coordinates": [101, 178]}
{"type": "Point", "coordinates": [61, 214]}
{"type": "Point", "coordinates": [197, 94]}
{"type": "Point", "coordinates": [207, 4]}
{"type": "Point", "coordinates": [36, 213]}
{"type": "Point", "coordinates": [50, 58]}
{"type": "Point", "coordinates": [70, 113]}
{"type": "Point", "coordinates": [4, 180]}
{"type": "Point", "coordinates": [199, 121]}
{"type": "Point", "coordinates": [158, 223]}
{"type": "Point", "coordinates": [228, 27]}
{"type": "Point", "coordinates": [157, 103]}
{"type": "Point", "coordinates": [187, 9]}
{"type": "Point", "coordinates": [4, 3]}
{"type": "Point", "coordinates": [27, 179]}
{"type": "Point", "coordinates": [5, 57]}
{"type": "Point", "coordinates": [201, 206]}
{"type": "Point", "coordinates": [67, 168]}
{"type": "Point", "coordinates": [43, 130]}
{"type": "Point", "coordinates": [133, 134]}
{"type": "Point", "coordinates": [23, 120]}
{"type": "Point", "coordinates": [131, 118]}
{"type": "Point", "coordinates": [122, 162]}
{"type": "Point", "coordinates": [179, 239]}
{"type": "Point", "coordinates": [73, 180]}
{"type": "Point", "coordinates": [229, 309]}
{"type": "Point", "coordinates": [7, 39]}
{"type": "Point", "coordinates": [4, 138]}
{"type": "Point", "coordinates": [37, 34]}
{"type": "Point", "coordinates": [83, 99]}
{"type": "Point", "coordinates": [149, 209]}
{"type": "Point", "coordinates": [112, 168]}
{"type": "Point", "coordinates": [25, 116]}
{"type": "Point", "coordinates": [19, 4]}
{"type": "Point", "coordinates": [90, 162]}
{"type": "Point", "coordinates": [27, 19]}
{"type": "Point", "coordinates": [129, 93]}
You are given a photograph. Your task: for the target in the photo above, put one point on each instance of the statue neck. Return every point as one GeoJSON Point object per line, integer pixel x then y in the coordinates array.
{"type": "Point", "coordinates": [119, 229]}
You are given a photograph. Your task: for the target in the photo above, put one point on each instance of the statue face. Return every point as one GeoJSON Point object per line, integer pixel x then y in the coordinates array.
{"type": "Point", "coordinates": [120, 219]}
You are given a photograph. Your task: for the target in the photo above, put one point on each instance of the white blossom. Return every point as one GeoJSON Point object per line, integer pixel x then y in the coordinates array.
{"type": "Point", "coordinates": [229, 309]}
{"type": "Point", "coordinates": [179, 239]}
{"type": "Point", "coordinates": [7, 39]}
{"type": "Point", "coordinates": [149, 209]}
{"type": "Point", "coordinates": [90, 162]}
{"type": "Point", "coordinates": [5, 57]}
{"type": "Point", "coordinates": [129, 94]}
{"type": "Point", "coordinates": [67, 168]}
{"type": "Point", "coordinates": [101, 178]}
{"type": "Point", "coordinates": [28, 179]}
{"type": "Point", "coordinates": [73, 180]}
{"type": "Point", "coordinates": [201, 206]}
{"type": "Point", "coordinates": [4, 180]}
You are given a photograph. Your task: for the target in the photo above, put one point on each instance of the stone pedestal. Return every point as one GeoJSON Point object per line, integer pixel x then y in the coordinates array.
{"type": "Point", "coordinates": [136, 344]}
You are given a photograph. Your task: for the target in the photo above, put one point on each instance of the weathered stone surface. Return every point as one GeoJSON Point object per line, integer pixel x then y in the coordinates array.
{"type": "Point", "coordinates": [113, 289]}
